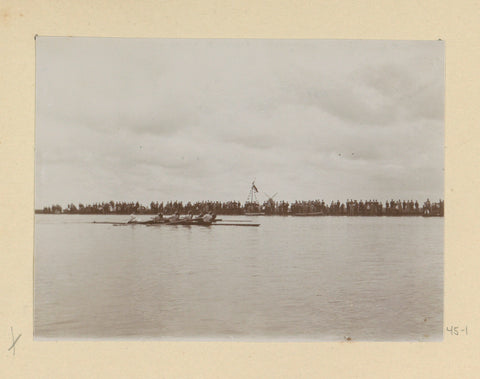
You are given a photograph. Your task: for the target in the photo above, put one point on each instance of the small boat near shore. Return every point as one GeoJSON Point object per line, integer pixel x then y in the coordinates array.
{"type": "Point", "coordinates": [308, 214]}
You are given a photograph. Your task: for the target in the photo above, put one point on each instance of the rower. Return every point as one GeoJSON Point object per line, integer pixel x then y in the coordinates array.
{"type": "Point", "coordinates": [158, 218]}
{"type": "Point", "coordinates": [174, 218]}
{"type": "Point", "coordinates": [207, 218]}
{"type": "Point", "coordinates": [132, 219]}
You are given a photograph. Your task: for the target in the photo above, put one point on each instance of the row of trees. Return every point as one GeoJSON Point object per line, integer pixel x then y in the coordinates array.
{"type": "Point", "coordinates": [349, 208]}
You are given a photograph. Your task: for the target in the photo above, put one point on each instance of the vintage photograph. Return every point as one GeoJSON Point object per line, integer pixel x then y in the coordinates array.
{"type": "Point", "coordinates": [239, 189]}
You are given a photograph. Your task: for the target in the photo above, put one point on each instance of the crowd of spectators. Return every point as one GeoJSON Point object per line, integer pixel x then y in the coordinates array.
{"type": "Point", "coordinates": [270, 207]}
{"type": "Point", "coordinates": [167, 208]}
{"type": "Point", "coordinates": [368, 208]}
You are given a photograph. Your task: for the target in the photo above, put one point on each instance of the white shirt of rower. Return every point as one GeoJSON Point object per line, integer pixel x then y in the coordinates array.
{"type": "Point", "coordinates": [207, 218]}
{"type": "Point", "coordinates": [157, 218]}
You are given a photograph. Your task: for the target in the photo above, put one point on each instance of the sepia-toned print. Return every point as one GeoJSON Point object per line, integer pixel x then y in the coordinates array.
{"type": "Point", "coordinates": [239, 189]}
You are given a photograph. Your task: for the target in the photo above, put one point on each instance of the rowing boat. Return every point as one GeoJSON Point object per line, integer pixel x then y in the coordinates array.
{"type": "Point", "coordinates": [205, 224]}
{"type": "Point", "coordinates": [152, 223]}
{"type": "Point", "coordinates": [179, 222]}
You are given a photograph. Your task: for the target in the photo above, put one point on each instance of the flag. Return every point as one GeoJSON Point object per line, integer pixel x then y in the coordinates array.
{"type": "Point", "coordinates": [254, 188]}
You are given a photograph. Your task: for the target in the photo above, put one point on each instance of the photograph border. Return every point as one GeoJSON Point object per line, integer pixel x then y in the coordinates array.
{"type": "Point", "coordinates": [454, 22]}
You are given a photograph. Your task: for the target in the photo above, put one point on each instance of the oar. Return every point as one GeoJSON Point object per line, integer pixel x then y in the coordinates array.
{"type": "Point", "coordinates": [114, 223]}
{"type": "Point", "coordinates": [234, 220]}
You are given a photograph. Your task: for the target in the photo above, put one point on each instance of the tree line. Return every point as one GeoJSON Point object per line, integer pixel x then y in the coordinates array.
{"type": "Point", "coordinates": [270, 207]}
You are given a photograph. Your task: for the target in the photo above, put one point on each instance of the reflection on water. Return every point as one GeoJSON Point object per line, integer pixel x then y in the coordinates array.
{"type": "Point", "coordinates": [319, 278]}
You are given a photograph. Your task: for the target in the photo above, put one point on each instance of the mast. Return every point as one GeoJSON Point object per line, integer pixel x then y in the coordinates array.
{"type": "Point", "coordinates": [252, 195]}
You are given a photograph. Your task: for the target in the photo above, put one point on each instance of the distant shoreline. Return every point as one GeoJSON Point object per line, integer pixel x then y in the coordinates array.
{"type": "Point", "coordinates": [40, 212]}
{"type": "Point", "coordinates": [309, 208]}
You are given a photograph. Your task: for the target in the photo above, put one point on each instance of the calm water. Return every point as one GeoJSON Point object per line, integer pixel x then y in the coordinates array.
{"type": "Point", "coordinates": [305, 278]}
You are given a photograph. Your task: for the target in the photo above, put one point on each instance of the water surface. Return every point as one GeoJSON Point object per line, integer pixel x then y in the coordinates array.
{"type": "Point", "coordinates": [305, 278]}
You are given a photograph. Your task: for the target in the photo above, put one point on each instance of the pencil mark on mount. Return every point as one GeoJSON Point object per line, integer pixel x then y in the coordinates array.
{"type": "Point", "coordinates": [14, 341]}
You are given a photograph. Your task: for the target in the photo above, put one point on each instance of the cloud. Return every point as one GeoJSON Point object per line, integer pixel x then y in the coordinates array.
{"type": "Point", "coordinates": [376, 96]}
{"type": "Point", "coordinates": [196, 119]}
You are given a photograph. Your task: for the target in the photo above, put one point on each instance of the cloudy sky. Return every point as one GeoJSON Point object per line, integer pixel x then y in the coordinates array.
{"type": "Point", "coordinates": [186, 119]}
